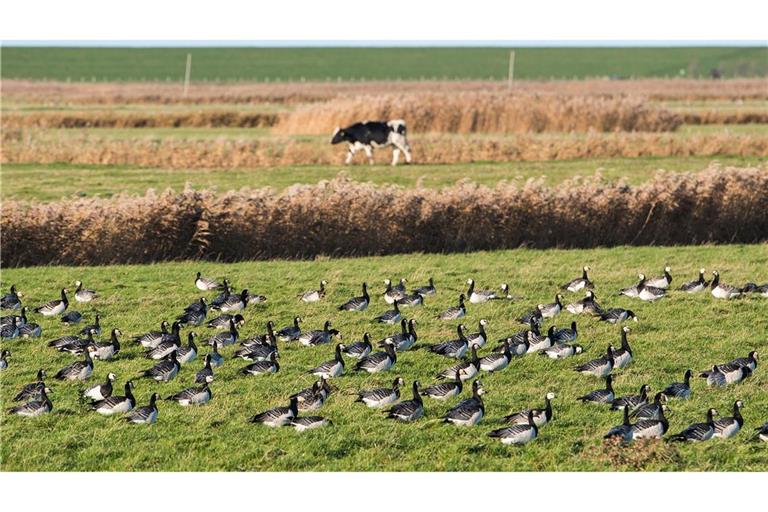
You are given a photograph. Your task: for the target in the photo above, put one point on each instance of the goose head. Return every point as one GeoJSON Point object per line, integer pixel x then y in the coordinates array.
{"type": "Point", "coordinates": [111, 377]}
{"type": "Point", "coordinates": [550, 396]}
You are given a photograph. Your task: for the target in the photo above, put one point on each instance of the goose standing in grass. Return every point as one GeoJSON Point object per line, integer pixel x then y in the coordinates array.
{"type": "Point", "coordinates": [188, 353]}
{"type": "Point", "coordinates": [291, 332]}
{"type": "Point", "coordinates": [164, 371]}
{"type": "Point", "coordinates": [631, 402]}
{"type": "Point", "coordinates": [263, 367]}
{"type": "Point", "coordinates": [206, 284]}
{"type": "Point", "coordinates": [359, 349]}
{"type": "Point", "coordinates": [54, 307]}
{"type": "Point", "coordinates": [145, 415]}
{"type": "Point", "coordinates": [480, 337]}
{"type": "Point", "coordinates": [308, 422]}
{"type": "Point", "coordinates": [378, 361]}
{"type": "Point", "coordinates": [11, 300]}
{"type": "Point", "coordinates": [222, 321]}
{"type": "Point", "coordinates": [723, 291]}
{"type": "Point", "coordinates": [195, 313]}
{"type": "Point", "coordinates": [233, 303]}
{"type": "Point", "coordinates": [662, 282]}
{"type": "Point", "coordinates": [479, 296]}
{"type": "Point", "coordinates": [83, 294]}
{"type": "Point", "coordinates": [454, 312]}
{"type": "Point", "coordinates": [698, 432]}
{"type": "Point", "coordinates": [216, 358]}
{"type": "Point", "coordinates": [4, 355]}
{"type": "Point", "coordinates": [106, 351]}
{"type": "Point", "coordinates": [314, 295]}
{"type": "Point", "coordinates": [331, 368]}
{"type": "Point", "coordinates": [206, 372]}
{"type": "Point", "coordinates": [21, 319]}
{"type": "Point", "coordinates": [623, 356]}
{"type": "Point", "coordinates": [37, 407]}
{"type": "Point", "coordinates": [445, 390]}
{"type": "Point", "coordinates": [496, 362]}
{"type": "Point", "coordinates": [533, 317]}
{"type": "Point", "coordinates": [604, 396]}
{"type": "Point", "coordinates": [697, 285]}
{"type": "Point", "coordinates": [319, 337]}
{"type": "Point", "coordinates": [562, 351]}
{"type": "Point", "coordinates": [565, 335]}
{"type": "Point", "coordinates": [153, 338]}
{"type": "Point", "coordinates": [72, 318]}
{"type": "Point", "coordinates": [357, 303]}
{"type": "Point", "coordinates": [588, 305]}
{"type": "Point", "coordinates": [623, 431]}
{"type": "Point", "coordinates": [470, 411]}
{"type": "Point", "coordinates": [467, 369]}
{"type": "Point", "coordinates": [618, 315]}
{"type": "Point", "coordinates": [647, 292]}
{"type": "Point", "coordinates": [380, 397]}
{"type": "Point", "coordinates": [428, 289]}
{"type": "Point", "coordinates": [517, 434]}
{"type": "Point", "coordinates": [408, 410]}
{"type": "Point", "coordinates": [651, 428]}
{"type": "Point", "coordinates": [193, 395]}
{"type": "Point", "coordinates": [279, 416]}
{"type": "Point", "coordinates": [680, 389]}
{"type": "Point", "coordinates": [225, 338]}
{"type": "Point", "coordinates": [580, 283]}
{"type": "Point", "coordinates": [410, 300]}
{"type": "Point", "coordinates": [600, 367]}
{"type": "Point", "coordinates": [652, 410]}
{"type": "Point", "coordinates": [727, 427]}
{"type": "Point", "coordinates": [102, 391]}
{"type": "Point", "coordinates": [32, 390]}
{"type": "Point", "coordinates": [116, 404]}
{"type": "Point", "coordinates": [79, 370]}
{"type": "Point", "coordinates": [9, 331]}
{"type": "Point", "coordinates": [391, 316]}
{"type": "Point", "coordinates": [30, 330]}
{"type": "Point", "coordinates": [540, 416]}
{"type": "Point", "coordinates": [453, 348]}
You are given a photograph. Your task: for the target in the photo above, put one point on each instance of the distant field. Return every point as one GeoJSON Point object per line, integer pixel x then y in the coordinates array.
{"type": "Point", "coordinates": [286, 64]}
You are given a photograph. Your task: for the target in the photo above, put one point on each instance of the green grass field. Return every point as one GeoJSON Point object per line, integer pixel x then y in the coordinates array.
{"type": "Point", "coordinates": [226, 64]}
{"type": "Point", "coordinates": [677, 333]}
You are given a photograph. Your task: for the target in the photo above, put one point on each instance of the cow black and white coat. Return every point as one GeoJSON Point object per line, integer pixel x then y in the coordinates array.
{"type": "Point", "coordinates": [374, 134]}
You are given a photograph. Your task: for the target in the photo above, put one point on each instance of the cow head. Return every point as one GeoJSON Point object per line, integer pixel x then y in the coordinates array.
{"type": "Point", "coordinates": [338, 135]}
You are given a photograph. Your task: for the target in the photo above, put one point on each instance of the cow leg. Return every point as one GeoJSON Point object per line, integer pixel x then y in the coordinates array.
{"type": "Point", "coordinates": [350, 154]}
{"type": "Point", "coordinates": [400, 146]}
{"type": "Point", "coordinates": [395, 155]}
{"type": "Point", "coordinates": [369, 153]}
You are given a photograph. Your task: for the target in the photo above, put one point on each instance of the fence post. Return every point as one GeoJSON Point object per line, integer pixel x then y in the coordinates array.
{"type": "Point", "coordinates": [187, 74]}
{"type": "Point", "coordinates": [511, 75]}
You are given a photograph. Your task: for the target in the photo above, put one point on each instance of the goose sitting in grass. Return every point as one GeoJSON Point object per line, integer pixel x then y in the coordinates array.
{"type": "Point", "coordinates": [116, 404]}
{"type": "Point", "coordinates": [145, 415]}
{"type": "Point", "coordinates": [360, 349]}
{"type": "Point", "coordinates": [405, 339]}
{"type": "Point", "coordinates": [651, 410]}
{"type": "Point", "coordinates": [226, 338]}
{"type": "Point", "coordinates": [618, 315]}
{"type": "Point", "coordinates": [651, 428]}
{"type": "Point", "coordinates": [454, 312]}
{"type": "Point", "coordinates": [357, 303]}
{"type": "Point", "coordinates": [83, 294]}
{"type": "Point", "coordinates": [600, 367]}
{"type": "Point", "coordinates": [580, 283]}
{"type": "Point", "coordinates": [54, 307]}
{"type": "Point", "coordinates": [588, 305]}
{"type": "Point", "coordinates": [631, 402]}
{"type": "Point", "coordinates": [263, 367]}
{"type": "Point", "coordinates": [662, 282]}
{"type": "Point", "coordinates": [623, 355]}
{"type": "Point", "coordinates": [495, 362]}
{"type": "Point", "coordinates": [517, 434]}
{"type": "Point", "coordinates": [254, 298]}
{"type": "Point", "coordinates": [189, 353]}
{"type": "Point", "coordinates": [731, 373]}
{"type": "Point", "coordinates": [164, 349]}
{"type": "Point", "coordinates": [480, 296]}
{"type": "Point", "coordinates": [680, 389]}
{"type": "Point", "coordinates": [470, 411]}
{"type": "Point", "coordinates": [20, 319]}
{"type": "Point", "coordinates": [11, 300]}
{"type": "Point", "coordinates": [34, 408]}
{"type": "Point", "coordinates": [631, 291]}
{"type": "Point", "coordinates": [533, 317]}
{"type": "Point", "coordinates": [193, 395]}
{"type": "Point", "coordinates": [553, 309]}
{"type": "Point", "coordinates": [723, 291]}
{"type": "Point", "coordinates": [378, 361]}
{"type": "Point", "coordinates": [428, 289]}
{"type": "Point", "coordinates": [234, 303]}
{"type": "Point", "coordinates": [697, 285]}
{"type": "Point", "coordinates": [32, 390]}
{"type": "Point", "coordinates": [313, 397]}
{"type": "Point", "coordinates": [647, 292]}
{"type": "Point", "coordinates": [279, 416]}
{"type": "Point", "coordinates": [319, 337]}
{"type": "Point", "coordinates": [153, 338]}
{"type": "Point", "coordinates": [164, 371]}
{"type": "Point", "coordinates": [623, 431]}
{"type": "Point", "coordinates": [59, 343]}
{"type": "Point", "coordinates": [258, 352]}
{"type": "Point", "coordinates": [260, 339]}
{"type": "Point", "coordinates": [467, 369]}
{"type": "Point", "coordinates": [79, 370]}
{"type": "Point", "coordinates": [391, 316]}
{"type": "Point", "coordinates": [72, 318]}
{"type": "Point", "coordinates": [445, 390]}
{"type": "Point", "coordinates": [400, 287]}
{"type": "Point", "coordinates": [106, 351]}
{"type": "Point", "coordinates": [452, 348]}
{"type": "Point", "coordinates": [222, 321]}
{"type": "Point", "coordinates": [391, 293]}
{"type": "Point", "coordinates": [224, 295]}
{"type": "Point", "coordinates": [762, 432]}
{"type": "Point", "coordinates": [381, 397]}
{"type": "Point", "coordinates": [520, 335]}
{"type": "Point", "coordinates": [290, 332]}
{"type": "Point", "coordinates": [206, 372]}
{"type": "Point", "coordinates": [314, 295]}
{"type": "Point", "coordinates": [216, 358]}
{"type": "Point", "coordinates": [4, 355]}
{"type": "Point", "coordinates": [565, 335]}
{"type": "Point", "coordinates": [604, 396]}
{"type": "Point", "coordinates": [30, 330]}
{"type": "Point", "coordinates": [408, 410]}
{"type": "Point", "coordinates": [698, 432]}
{"type": "Point", "coordinates": [537, 342]}
{"type": "Point", "coordinates": [727, 427]}
{"type": "Point", "coordinates": [540, 416]}
{"type": "Point", "coordinates": [410, 300]}
{"type": "Point", "coordinates": [9, 331]}
{"type": "Point", "coordinates": [195, 313]}
{"type": "Point", "coordinates": [308, 422]}
{"type": "Point", "coordinates": [750, 361]}
{"type": "Point", "coordinates": [480, 337]}
{"type": "Point", "coordinates": [79, 346]}
{"type": "Point", "coordinates": [102, 391]}
{"type": "Point", "coordinates": [206, 283]}
{"type": "Point", "coordinates": [331, 368]}
{"type": "Point", "coordinates": [562, 351]}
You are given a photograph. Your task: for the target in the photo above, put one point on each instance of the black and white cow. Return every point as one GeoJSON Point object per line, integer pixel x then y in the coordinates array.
{"type": "Point", "coordinates": [374, 134]}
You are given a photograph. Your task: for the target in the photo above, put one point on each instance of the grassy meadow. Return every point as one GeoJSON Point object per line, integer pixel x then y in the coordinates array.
{"type": "Point", "coordinates": [679, 332]}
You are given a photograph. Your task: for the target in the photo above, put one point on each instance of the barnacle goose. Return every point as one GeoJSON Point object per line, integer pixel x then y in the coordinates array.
{"type": "Point", "coordinates": [617, 315]}
{"type": "Point", "coordinates": [697, 285]}
{"type": "Point", "coordinates": [318, 337]}
{"type": "Point", "coordinates": [520, 335]}
{"type": "Point", "coordinates": [730, 373]}
{"type": "Point", "coordinates": [261, 339]}
{"type": "Point", "coordinates": [623, 356]}
{"type": "Point", "coordinates": [587, 305]}
{"type": "Point", "coordinates": [313, 397]}
{"type": "Point", "coordinates": [206, 284]}
{"type": "Point", "coordinates": [652, 410]}
{"type": "Point", "coordinates": [278, 416]}
{"type": "Point", "coordinates": [562, 351]}
{"type": "Point", "coordinates": [391, 316]}
{"type": "Point", "coordinates": [79, 370]}
{"type": "Point", "coordinates": [470, 411]}
{"type": "Point", "coordinates": [357, 303]}
{"type": "Point", "coordinates": [452, 348]}
{"type": "Point", "coordinates": [565, 335]}
{"type": "Point", "coordinates": [331, 368]}
{"type": "Point", "coordinates": [631, 402]}
{"type": "Point", "coordinates": [479, 338]}
{"type": "Point", "coordinates": [647, 292]}
{"type": "Point", "coordinates": [405, 339]}
{"type": "Point", "coordinates": [291, 332]}
{"type": "Point", "coordinates": [106, 351]}
{"type": "Point", "coordinates": [604, 396]}
{"type": "Point", "coordinates": [9, 331]}
{"type": "Point", "coordinates": [225, 338]}
{"type": "Point", "coordinates": [32, 390]}
{"type": "Point", "coordinates": [116, 404]}
{"type": "Point", "coordinates": [553, 309]}
{"type": "Point", "coordinates": [479, 296]}
{"type": "Point", "coordinates": [233, 303]}
{"type": "Point", "coordinates": [410, 300]}
{"type": "Point", "coordinates": [698, 432]}
{"type": "Point", "coordinates": [193, 395]}
{"type": "Point", "coordinates": [359, 349]}
{"type": "Point", "coordinates": [4, 359]}
{"type": "Point", "coordinates": [207, 371]}
{"type": "Point", "coordinates": [749, 361]}
{"type": "Point", "coordinates": [164, 349]}
{"type": "Point", "coordinates": [252, 298]}
{"type": "Point", "coordinates": [540, 416]}
{"type": "Point", "coordinates": [651, 428]}
{"type": "Point", "coordinates": [454, 312]}
{"type": "Point", "coordinates": [195, 313]}
{"type": "Point", "coordinates": [222, 321]}
{"type": "Point", "coordinates": [216, 358]}
{"type": "Point", "coordinates": [309, 422]}
{"type": "Point", "coordinates": [467, 369]}
{"type": "Point", "coordinates": [11, 300]}
{"type": "Point", "coordinates": [600, 367]}
{"type": "Point", "coordinates": [517, 434]}
{"type": "Point", "coordinates": [224, 295]}
{"type": "Point", "coordinates": [762, 432]}
{"type": "Point", "coordinates": [258, 352]}
{"type": "Point", "coordinates": [532, 317]}
{"type": "Point", "coordinates": [680, 389]}
{"type": "Point", "coordinates": [165, 370]}
{"type": "Point", "coordinates": [445, 390]}
{"type": "Point", "coordinates": [632, 291]}
{"type": "Point", "coordinates": [30, 330]}
{"type": "Point", "coordinates": [188, 353]}
{"type": "Point", "coordinates": [152, 338]}
{"type": "Point", "coordinates": [729, 426]}
{"type": "Point", "coordinates": [662, 282]}
{"type": "Point", "coordinates": [100, 391]}
{"type": "Point", "coordinates": [623, 431]}
{"type": "Point", "coordinates": [83, 294]}
{"type": "Point", "coordinates": [408, 410]}
{"type": "Point", "coordinates": [400, 287]}
{"type": "Point", "coordinates": [428, 289]}
{"type": "Point", "coordinates": [381, 397]}
{"type": "Point", "coordinates": [378, 361]}
{"type": "Point", "coordinates": [21, 319]}
{"type": "Point", "coordinates": [72, 318]}
{"type": "Point", "coordinates": [723, 291]}
{"type": "Point", "coordinates": [78, 346]}
{"type": "Point", "coordinates": [263, 367]}
{"type": "Point", "coordinates": [144, 415]}
{"type": "Point", "coordinates": [54, 307]}
{"type": "Point", "coordinates": [579, 283]}
{"type": "Point", "coordinates": [314, 295]}
{"type": "Point", "coordinates": [517, 347]}
{"type": "Point", "coordinates": [62, 342]}
{"type": "Point", "coordinates": [538, 342]}
{"type": "Point", "coordinates": [495, 362]}
{"type": "Point", "coordinates": [37, 407]}
{"type": "Point", "coordinates": [392, 293]}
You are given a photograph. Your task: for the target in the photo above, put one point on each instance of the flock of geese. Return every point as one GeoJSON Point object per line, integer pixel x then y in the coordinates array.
{"type": "Point", "coordinates": [644, 414]}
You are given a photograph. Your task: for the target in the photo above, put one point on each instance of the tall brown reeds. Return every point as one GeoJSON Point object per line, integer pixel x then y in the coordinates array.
{"type": "Point", "coordinates": [343, 217]}
{"type": "Point", "coordinates": [116, 119]}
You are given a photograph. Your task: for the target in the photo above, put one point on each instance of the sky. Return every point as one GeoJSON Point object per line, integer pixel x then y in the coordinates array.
{"type": "Point", "coordinates": [394, 43]}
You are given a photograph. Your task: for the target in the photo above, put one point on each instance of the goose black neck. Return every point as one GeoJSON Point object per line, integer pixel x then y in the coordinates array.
{"type": "Point", "coordinates": [64, 298]}
{"type": "Point", "coordinates": [129, 392]}
{"type": "Point", "coordinates": [737, 414]}
{"type": "Point", "coordinates": [471, 289]}
{"type": "Point", "coordinates": [416, 395]}
{"type": "Point", "coordinates": [716, 281]}
{"type": "Point", "coordinates": [412, 330]}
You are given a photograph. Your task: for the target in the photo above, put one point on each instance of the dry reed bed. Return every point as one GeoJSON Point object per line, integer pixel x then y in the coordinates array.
{"type": "Point", "coordinates": [23, 146]}
{"type": "Point", "coordinates": [208, 119]}
{"type": "Point", "coordinates": [343, 217]}
{"type": "Point", "coordinates": [293, 92]}
{"type": "Point", "coordinates": [724, 117]}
